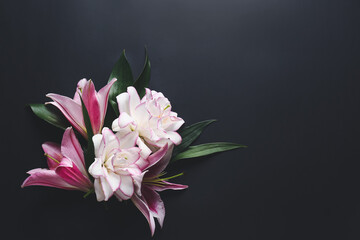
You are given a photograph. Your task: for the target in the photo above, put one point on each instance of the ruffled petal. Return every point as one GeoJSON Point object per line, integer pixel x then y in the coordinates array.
{"type": "Point", "coordinates": [125, 120]}
{"type": "Point", "coordinates": [100, 196]}
{"type": "Point", "coordinates": [128, 140]}
{"type": "Point", "coordinates": [98, 145]}
{"type": "Point", "coordinates": [96, 169]}
{"type": "Point", "coordinates": [123, 102]}
{"type": "Point", "coordinates": [127, 186]}
{"type": "Point", "coordinates": [134, 99]}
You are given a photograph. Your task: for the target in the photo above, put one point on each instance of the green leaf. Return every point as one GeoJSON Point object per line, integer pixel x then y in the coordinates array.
{"type": "Point", "coordinates": [89, 153]}
{"type": "Point", "coordinates": [122, 72]}
{"type": "Point", "coordinates": [207, 149]}
{"type": "Point", "coordinates": [50, 114]}
{"type": "Point", "coordinates": [115, 107]}
{"type": "Point", "coordinates": [143, 80]}
{"type": "Point", "coordinates": [190, 134]}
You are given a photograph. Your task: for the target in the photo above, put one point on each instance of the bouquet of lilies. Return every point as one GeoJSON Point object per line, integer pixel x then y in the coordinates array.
{"type": "Point", "coordinates": [126, 151]}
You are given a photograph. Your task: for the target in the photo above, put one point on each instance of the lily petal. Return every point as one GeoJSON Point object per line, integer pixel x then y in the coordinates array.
{"type": "Point", "coordinates": [140, 203]}
{"type": "Point", "coordinates": [92, 106]}
{"type": "Point", "coordinates": [71, 149]}
{"type": "Point", "coordinates": [123, 102]}
{"type": "Point", "coordinates": [127, 186]}
{"type": "Point", "coordinates": [160, 165]}
{"type": "Point", "coordinates": [134, 99]}
{"type": "Point", "coordinates": [72, 175]}
{"type": "Point", "coordinates": [71, 110]}
{"type": "Point", "coordinates": [46, 177]}
{"type": "Point", "coordinates": [53, 154]}
{"type": "Point", "coordinates": [102, 97]}
{"type": "Point", "coordinates": [155, 204]}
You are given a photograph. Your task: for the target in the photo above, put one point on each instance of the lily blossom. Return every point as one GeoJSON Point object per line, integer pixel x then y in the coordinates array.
{"type": "Point", "coordinates": [149, 119]}
{"type": "Point", "coordinates": [116, 166]}
{"type": "Point", "coordinates": [146, 198]}
{"type": "Point", "coordinates": [66, 166]}
{"type": "Point", "coordinates": [95, 103]}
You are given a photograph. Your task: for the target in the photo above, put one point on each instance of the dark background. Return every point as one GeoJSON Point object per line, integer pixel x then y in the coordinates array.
{"type": "Point", "coordinates": [280, 76]}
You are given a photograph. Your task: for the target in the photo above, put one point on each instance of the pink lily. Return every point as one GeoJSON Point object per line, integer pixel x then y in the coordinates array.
{"type": "Point", "coordinates": [66, 166]}
{"type": "Point", "coordinates": [146, 198]}
{"type": "Point", "coordinates": [95, 103]}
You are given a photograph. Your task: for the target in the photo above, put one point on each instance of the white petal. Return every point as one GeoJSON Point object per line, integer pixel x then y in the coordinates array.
{"type": "Point", "coordinates": [174, 137]}
{"type": "Point", "coordinates": [108, 192]}
{"type": "Point", "coordinates": [125, 120]}
{"type": "Point", "coordinates": [98, 145]}
{"type": "Point", "coordinates": [123, 102]}
{"type": "Point", "coordinates": [145, 150]}
{"type": "Point", "coordinates": [141, 114]}
{"type": "Point", "coordinates": [95, 169]}
{"type": "Point", "coordinates": [134, 99]}
{"type": "Point", "coordinates": [127, 186]}
{"type": "Point", "coordinates": [128, 140]}
{"type": "Point", "coordinates": [98, 191]}
{"type": "Point", "coordinates": [113, 180]}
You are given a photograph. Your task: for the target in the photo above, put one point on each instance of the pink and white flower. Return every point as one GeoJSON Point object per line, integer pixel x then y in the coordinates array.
{"type": "Point", "coordinates": [149, 119]}
{"type": "Point", "coordinates": [146, 198]}
{"type": "Point", "coordinates": [116, 166]}
{"type": "Point", "coordinates": [66, 166]}
{"type": "Point", "coordinates": [95, 103]}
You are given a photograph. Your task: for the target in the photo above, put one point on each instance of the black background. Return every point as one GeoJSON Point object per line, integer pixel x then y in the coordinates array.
{"type": "Point", "coordinates": [280, 76]}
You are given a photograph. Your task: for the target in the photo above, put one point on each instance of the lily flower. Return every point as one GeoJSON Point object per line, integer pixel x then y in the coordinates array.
{"type": "Point", "coordinates": [149, 119]}
{"type": "Point", "coordinates": [146, 198]}
{"type": "Point", "coordinates": [66, 166]}
{"type": "Point", "coordinates": [116, 166]}
{"type": "Point", "coordinates": [95, 103]}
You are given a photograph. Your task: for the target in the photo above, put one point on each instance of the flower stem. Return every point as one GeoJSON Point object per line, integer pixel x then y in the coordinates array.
{"type": "Point", "coordinates": [88, 193]}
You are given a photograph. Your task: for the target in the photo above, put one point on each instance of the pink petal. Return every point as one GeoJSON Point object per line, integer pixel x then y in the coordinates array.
{"type": "Point", "coordinates": [102, 97]}
{"type": "Point", "coordinates": [167, 186]}
{"type": "Point", "coordinates": [80, 86]}
{"type": "Point", "coordinates": [54, 154]}
{"type": "Point", "coordinates": [154, 158]}
{"type": "Point", "coordinates": [161, 164]}
{"type": "Point", "coordinates": [71, 110]}
{"type": "Point", "coordinates": [92, 105]}
{"type": "Point", "coordinates": [155, 204]}
{"type": "Point", "coordinates": [140, 203]}
{"type": "Point", "coordinates": [71, 149]}
{"type": "Point", "coordinates": [71, 174]}
{"type": "Point", "coordinates": [46, 177]}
